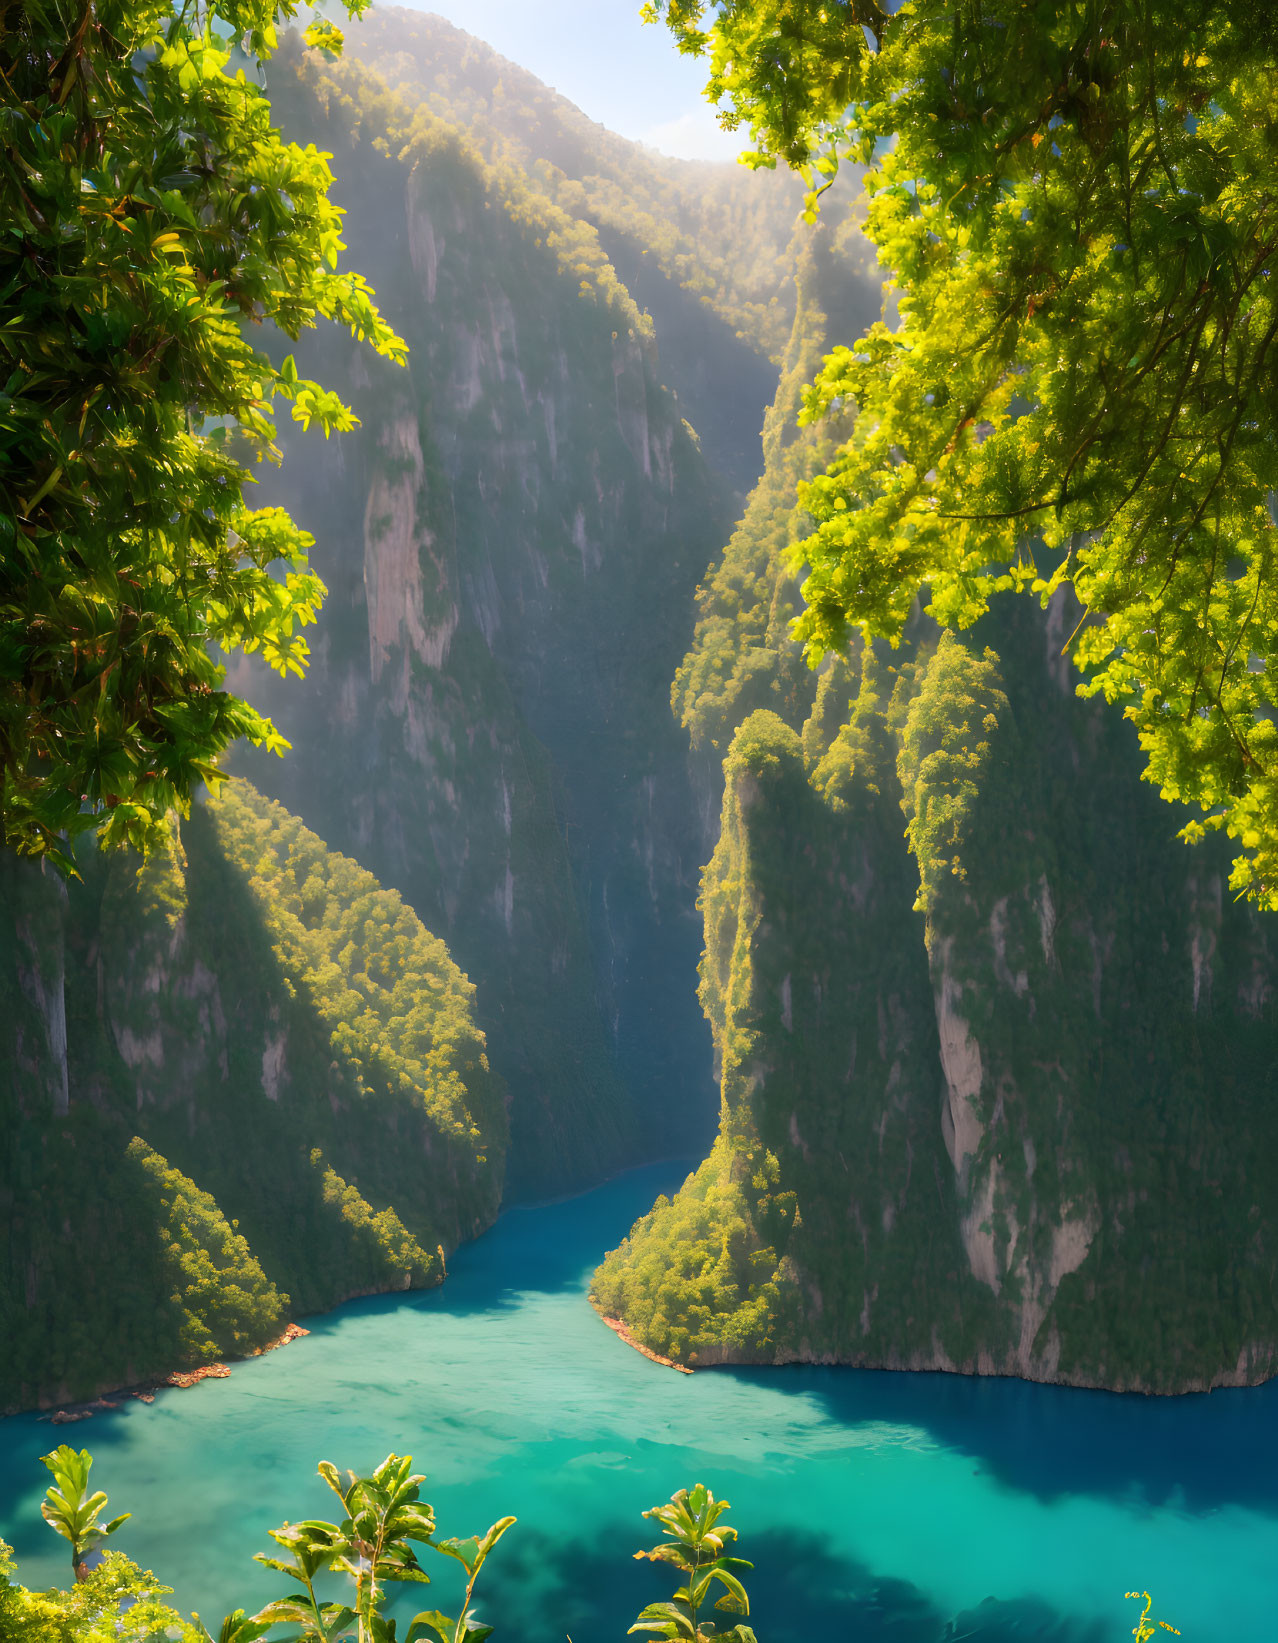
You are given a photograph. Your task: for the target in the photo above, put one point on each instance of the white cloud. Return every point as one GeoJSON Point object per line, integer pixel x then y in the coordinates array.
{"type": "Point", "coordinates": [695, 135]}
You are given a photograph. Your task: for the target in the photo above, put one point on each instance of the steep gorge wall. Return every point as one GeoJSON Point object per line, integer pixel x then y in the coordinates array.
{"type": "Point", "coordinates": [511, 541]}
{"type": "Point", "coordinates": [997, 1095]}
{"type": "Point", "coordinates": [209, 1130]}
{"type": "Point", "coordinates": [717, 232]}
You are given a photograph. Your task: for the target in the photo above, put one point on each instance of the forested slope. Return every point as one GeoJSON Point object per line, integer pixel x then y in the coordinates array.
{"type": "Point", "coordinates": [242, 1088]}
{"type": "Point", "coordinates": [997, 1081]}
{"type": "Point", "coordinates": [706, 249]}
{"type": "Point", "coordinates": [993, 1048]}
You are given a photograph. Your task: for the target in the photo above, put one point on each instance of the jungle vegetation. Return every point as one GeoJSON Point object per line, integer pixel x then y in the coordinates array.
{"type": "Point", "coordinates": [1038, 893]}
{"type": "Point", "coordinates": [280, 1100]}
{"type": "Point", "coordinates": [721, 234]}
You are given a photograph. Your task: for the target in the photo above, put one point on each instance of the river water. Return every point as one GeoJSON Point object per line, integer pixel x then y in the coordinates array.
{"type": "Point", "coordinates": [897, 1507]}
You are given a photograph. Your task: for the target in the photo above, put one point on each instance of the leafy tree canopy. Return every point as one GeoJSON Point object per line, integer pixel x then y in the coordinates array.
{"type": "Point", "coordinates": [152, 215]}
{"type": "Point", "coordinates": [1078, 202]}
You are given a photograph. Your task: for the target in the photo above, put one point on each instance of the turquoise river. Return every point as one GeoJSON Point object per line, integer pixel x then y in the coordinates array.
{"type": "Point", "coordinates": [875, 1506]}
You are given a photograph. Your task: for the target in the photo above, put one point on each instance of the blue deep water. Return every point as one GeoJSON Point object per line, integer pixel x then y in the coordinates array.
{"type": "Point", "coordinates": [876, 1506]}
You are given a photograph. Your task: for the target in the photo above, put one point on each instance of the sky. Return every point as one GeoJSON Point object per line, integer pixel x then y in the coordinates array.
{"type": "Point", "coordinates": [597, 53]}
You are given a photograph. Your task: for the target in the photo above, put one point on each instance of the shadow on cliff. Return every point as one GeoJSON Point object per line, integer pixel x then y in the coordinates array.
{"type": "Point", "coordinates": [1200, 1450]}
{"type": "Point", "coordinates": [800, 1589]}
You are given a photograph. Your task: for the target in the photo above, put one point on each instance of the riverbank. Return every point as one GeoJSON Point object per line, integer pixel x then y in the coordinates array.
{"type": "Point", "coordinates": [618, 1328]}
{"type": "Point", "coordinates": [67, 1414]}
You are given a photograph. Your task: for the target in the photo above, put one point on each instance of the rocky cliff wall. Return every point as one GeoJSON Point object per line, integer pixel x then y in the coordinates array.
{"type": "Point", "coordinates": [201, 1103]}
{"type": "Point", "coordinates": [998, 1091]}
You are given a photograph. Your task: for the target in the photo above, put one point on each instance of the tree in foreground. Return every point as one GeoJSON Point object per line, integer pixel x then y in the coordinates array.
{"type": "Point", "coordinates": [152, 216]}
{"type": "Point", "coordinates": [69, 1508]}
{"type": "Point", "coordinates": [1078, 201]}
{"type": "Point", "coordinates": [696, 1544]}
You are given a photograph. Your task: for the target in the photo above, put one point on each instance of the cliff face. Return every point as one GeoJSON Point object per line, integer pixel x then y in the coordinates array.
{"type": "Point", "coordinates": [511, 541]}
{"type": "Point", "coordinates": [195, 1059]}
{"type": "Point", "coordinates": [998, 1095]}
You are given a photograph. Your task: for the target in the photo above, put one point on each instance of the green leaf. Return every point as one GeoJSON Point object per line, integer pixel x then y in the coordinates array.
{"type": "Point", "coordinates": [322, 35]}
{"type": "Point", "coordinates": [466, 1552]}
{"type": "Point", "coordinates": [292, 1611]}
{"type": "Point", "coordinates": [139, 358]}
{"type": "Point", "coordinates": [238, 1628]}
{"type": "Point", "coordinates": [431, 1622]}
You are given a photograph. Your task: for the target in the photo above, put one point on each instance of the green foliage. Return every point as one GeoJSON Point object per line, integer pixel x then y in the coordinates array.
{"type": "Point", "coordinates": [394, 124]}
{"type": "Point", "coordinates": [695, 1544]}
{"type": "Point", "coordinates": [1038, 907]}
{"type": "Point", "coordinates": [472, 1555]}
{"type": "Point", "coordinates": [947, 762]}
{"type": "Point", "coordinates": [711, 1275]}
{"type": "Point", "coordinates": [1075, 204]}
{"type": "Point", "coordinates": [373, 1546]}
{"type": "Point", "coordinates": [397, 1008]}
{"type": "Point", "coordinates": [558, 509]}
{"type": "Point", "coordinates": [114, 1603]}
{"type": "Point", "coordinates": [741, 658]}
{"type": "Point", "coordinates": [393, 1247]}
{"type": "Point", "coordinates": [12, 1599]}
{"type": "Point", "coordinates": [153, 213]}
{"type": "Point", "coordinates": [160, 882]}
{"type": "Point", "coordinates": [1039, 936]}
{"type": "Point", "coordinates": [226, 1302]}
{"type": "Point", "coordinates": [697, 1279]}
{"type": "Point", "coordinates": [69, 1508]}
{"type": "Point", "coordinates": [786, 69]}
{"type": "Point", "coordinates": [218, 1153]}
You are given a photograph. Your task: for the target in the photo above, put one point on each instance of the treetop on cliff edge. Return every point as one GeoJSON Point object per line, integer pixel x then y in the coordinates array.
{"type": "Point", "coordinates": [153, 214]}
{"type": "Point", "coordinates": [1078, 202]}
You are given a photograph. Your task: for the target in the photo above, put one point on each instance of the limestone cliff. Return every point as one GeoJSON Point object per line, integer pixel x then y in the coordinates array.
{"type": "Point", "coordinates": [209, 1094]}
{"type": "Point", "coordinates": [511, 541]}
{"type": "Point", "coordinates": [998, 1095]}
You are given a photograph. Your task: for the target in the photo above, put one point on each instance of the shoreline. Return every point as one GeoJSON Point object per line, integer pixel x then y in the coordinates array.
{"type": "Point", "coordinates": [144, 1391]}
{"type": "Point", "coordinates": [618, 1328]}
